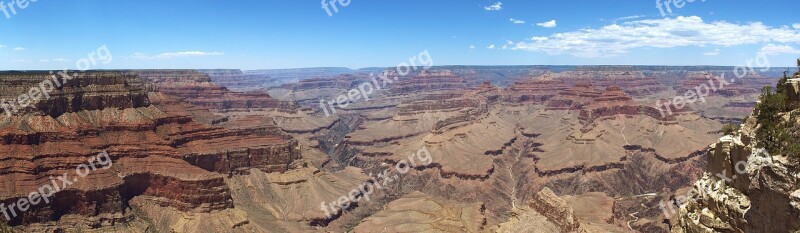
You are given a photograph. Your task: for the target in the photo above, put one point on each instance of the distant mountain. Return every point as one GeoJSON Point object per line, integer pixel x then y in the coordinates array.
{"type": "Point", "coordinates": [303, 72]}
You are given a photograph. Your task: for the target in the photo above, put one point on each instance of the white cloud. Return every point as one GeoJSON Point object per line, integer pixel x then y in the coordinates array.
{"type": "Point", "coordinates": [771, 49]}
{"type": "Point", "coordinates": [548, 24]}
{"type": "Point", "coordinates": [2, 46]}
{"type": "Point", "coordinates": [472, 47]}
{"type": "Point", "coordinates": [491, 46]}
{"type": "Point", "coordinates": [629, 17]}
{"type": "Point", "coordinates": [516, 21]}
{"type": "Point", "coordinates": [494, 7]}
{"type": "Point", "coordinates": [796, 26]}
{"type": "Point", "coordinates": [616, 39]}
{"type": "Point", "coordinates": [712, 53]}
{"type": "Point", "coordinates": [538, 38]}
{"type": "Point", "coordinates": [60, 59]}
{"type": "Point", "coordinates": [170, 55]}
{"type": "Point", "coordinates": [44, 60]}
{"type": "Point", "coordinates": [19, 49]}
{"type": "Point", "coordinates": [19, 60]}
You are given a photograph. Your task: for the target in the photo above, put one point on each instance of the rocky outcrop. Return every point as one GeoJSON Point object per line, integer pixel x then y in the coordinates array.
{"type": "Point", "coordinates": [759, 199]}
{"type": "Point", "coordinates": [556, 210]}
{"type": "Point", "coordinates": [793, 90]}
{"type": "Point", "coordinates": [744, 189]}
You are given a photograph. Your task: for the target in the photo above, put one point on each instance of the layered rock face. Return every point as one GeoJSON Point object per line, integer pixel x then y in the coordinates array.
{"type": "Point", "coordinates": [344, 81]}
{"type": "Point", "coordinates": [419, 212]}
{"type": "Point", "coordinates": [198, 89]}
{"type": "Point", "coordinates": [744, 188]}
{"type": "Point", "coordinates": [159, 152]}
{"type": "Point", "coordinates": [556, 210]}
{"type": "Point", "coordinates": [747, 85]}
{"type": "Point", "coordinates": [630, 79]}
{"type": "Point", "coordinates": [536, 90]}
{"type": "Point", "coordinates": [561, 152]}
{"type": "Point", "coordinates": [547, 212]}
{"type": "Point", "coordinates": [633, 83]}
{"type": "Point", "coordinates": [574, 98]}
{"type": "Point", "coordinates": [307, 84]}
{"type": "Point", "coordinates": [74, 92]}
{"type": "Point", "coordinates": [500, 150]}
{"type": "Point", "coordinates": [428, 81]}
{"type": "Point", "coordinates": [614, 102]}
{"type": "Point", "coordinates": [592, 104]}
{"type": "Point", "coordinates": [694, 80]}
{"type": "Point", "coordinates": [443, 104]}
{"type": "Point", "coordinates": [236, 80]}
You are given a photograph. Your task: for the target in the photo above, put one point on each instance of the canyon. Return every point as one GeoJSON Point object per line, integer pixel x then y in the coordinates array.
{"type": "Point", "coordinates": [514, 149]}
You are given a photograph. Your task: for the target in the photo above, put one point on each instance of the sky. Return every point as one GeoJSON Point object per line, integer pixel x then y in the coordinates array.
{"type": "Point", "coordinates": [271, 34]}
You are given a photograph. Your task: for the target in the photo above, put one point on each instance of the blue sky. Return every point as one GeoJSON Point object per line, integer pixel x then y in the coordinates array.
{"type": "Point", "coordinates": [50, 34]}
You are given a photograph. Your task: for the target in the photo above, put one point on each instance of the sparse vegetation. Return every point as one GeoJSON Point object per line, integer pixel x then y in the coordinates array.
{"type": "Point", "coordinates": [776, 134]}
{"type": "Point", "coordinates": [730, 129]}
{"type": "Point", "coordinates": [5, 228]}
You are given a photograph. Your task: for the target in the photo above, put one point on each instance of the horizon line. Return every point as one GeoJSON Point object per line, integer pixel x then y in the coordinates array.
{"type": "Point", "coordinates": [388, 67]}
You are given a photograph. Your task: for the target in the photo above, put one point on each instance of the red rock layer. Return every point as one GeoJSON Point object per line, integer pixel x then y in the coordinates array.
{"type": "Point", "coordinates": [237, 81]}
{"type": "Point", "coordinates": [536, 90]}
{"type": "Point", "coordinates": [84, 91]}
{"type": "Point", "coordinates": [635, 85]}
{"type": "Point", "coordinates": [731, 87]}
{"type": "Point", "coordinates": [198, 89]}
{"type": "Point", "coordinates": [436, 105]}
{"type": "Point", "coordinates": [344, 81]}
{"type": "Point", "coordinates": [595, 104]}
{"type": "Point", "coordinates": [158, 150]}
{"type": "Point", "coordinates": [574, 98]}
{"type": "Point", "coordinates": [631, 80]}
{"type": "Point", "coordinates": [430, 81]}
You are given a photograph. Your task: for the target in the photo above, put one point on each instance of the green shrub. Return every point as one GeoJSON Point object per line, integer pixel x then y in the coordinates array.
{"type": "Point", "coordinates": [5, 228]}
{"type": "Point", "coordinates": [769, 120]}
{"type": "Point", "coordinates": [775, 134]}
{"type": "Point", "coordinates": [730, 129]}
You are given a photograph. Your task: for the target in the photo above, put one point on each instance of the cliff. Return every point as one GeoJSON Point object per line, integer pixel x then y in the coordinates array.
{"type": "Point", "coordinates": [91, 90]}
{"type": "Point", "coordinates": [745, 188]}
{"type": "Point", "coordinates": [159, 152]}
